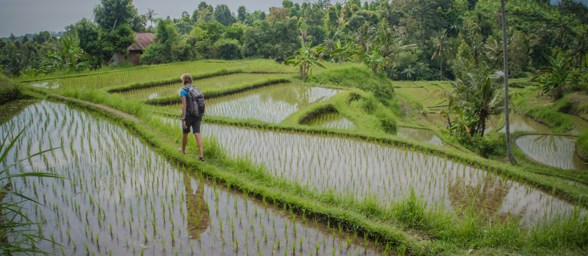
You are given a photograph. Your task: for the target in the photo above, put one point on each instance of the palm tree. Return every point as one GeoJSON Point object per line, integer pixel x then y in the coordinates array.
{"type": "Point", "coordinates": [409, 72]}
{"type": "Point", "coordinates": [150, 16]}
{"type": "Point", "coordinates": [474, 97]}
{"type": "Point", "coordinates": [555, 77]}
{"type": "Point", "coordinates": [440, 43]}
{"type": "Point", "coordinates": [506, 95]}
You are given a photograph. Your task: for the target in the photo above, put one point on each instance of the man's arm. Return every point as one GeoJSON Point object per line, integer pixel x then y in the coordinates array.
{"type": "Point", "coordinates": [183, 107]}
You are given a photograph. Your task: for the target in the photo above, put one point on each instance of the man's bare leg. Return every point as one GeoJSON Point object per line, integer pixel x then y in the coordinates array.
{"type": "Point", "coordinates": [184, 142]}
{"type": "Point", "coordinates": [200, 144]}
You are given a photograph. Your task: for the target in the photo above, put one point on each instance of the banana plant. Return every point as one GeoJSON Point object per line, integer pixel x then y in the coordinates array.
{"type": "Point", "coordinates": [307, 57]}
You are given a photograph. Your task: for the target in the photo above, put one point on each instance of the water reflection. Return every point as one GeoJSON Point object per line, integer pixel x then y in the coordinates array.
{"type": "Point", "coordinates": [485, 198]}
{"type": "Point", "coordinates": [271, 104]}
{"type": "Point", "coordinates": [198, 216]}
{"type": "Point", "coordinates": [421, 135]}
{"type": "Point", "coordinates": [333, 120]}
{"type": "Point", "coordinates": [359, 169]}
{"type": "Point", "coordinates": [552, 150]}
{"type": "Point", "coordinates": [46, 85]}
{"type": "Point", "coordinates": [121, 198]}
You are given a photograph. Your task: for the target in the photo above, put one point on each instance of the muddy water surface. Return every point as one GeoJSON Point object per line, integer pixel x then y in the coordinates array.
{"type": "Point", "coordinates": [119, 197]}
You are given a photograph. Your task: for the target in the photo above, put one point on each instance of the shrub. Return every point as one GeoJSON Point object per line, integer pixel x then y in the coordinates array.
{"type": "Point", "coordinates": [228, 49]}
{"type": "Point", "coordinates": [8, 90]}
{"type": "Point", "coordinates": [554, 119]}
{"type": "Point", "coordinates": [357, 77]}
{"type": "Point", "coordinates": [582, 146]}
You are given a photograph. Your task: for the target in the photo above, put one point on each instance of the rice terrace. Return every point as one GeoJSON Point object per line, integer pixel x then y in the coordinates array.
{"type": "Point", "coordinates": [330, 128]}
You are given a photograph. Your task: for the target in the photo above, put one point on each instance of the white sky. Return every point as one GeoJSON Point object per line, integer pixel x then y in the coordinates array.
{"type": "Point", "coordinates": [32, 16]}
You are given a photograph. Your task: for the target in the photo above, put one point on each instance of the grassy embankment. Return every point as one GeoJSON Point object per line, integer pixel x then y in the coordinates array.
{"type": "Point", "coordinates": [408, 224]}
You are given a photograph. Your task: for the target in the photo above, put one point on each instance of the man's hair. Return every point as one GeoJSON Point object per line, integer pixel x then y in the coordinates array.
{"type": "Point", "coordinates": [186, 78]}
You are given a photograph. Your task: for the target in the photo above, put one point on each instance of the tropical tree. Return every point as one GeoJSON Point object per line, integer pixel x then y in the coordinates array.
{"type": "Point", "coordinates": [150, 16]}
{"type": "Point", "coordinates": [306, 58]}
{"type": "Point", "coordinates": [555, 77]}
{"type": "Point", "coordinates": [440, 43]}
{"type": "Point", "coordinates": [116, 20]}
{"type": "Point", "coordinates": [473, 98]}
{"type": "Point", "coordinates": [69, 52]}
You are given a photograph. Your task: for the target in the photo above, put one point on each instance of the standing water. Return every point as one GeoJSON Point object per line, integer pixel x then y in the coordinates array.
{"type": "Point", "coordinates": [119, 197]}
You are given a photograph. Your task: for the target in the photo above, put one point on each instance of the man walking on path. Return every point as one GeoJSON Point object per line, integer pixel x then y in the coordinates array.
{"type": "Point", "coordinates": [189, 120]}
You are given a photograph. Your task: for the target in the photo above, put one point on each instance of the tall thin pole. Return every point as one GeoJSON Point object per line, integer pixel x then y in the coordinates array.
{"type": "Point", "coordinates": [506, 95]}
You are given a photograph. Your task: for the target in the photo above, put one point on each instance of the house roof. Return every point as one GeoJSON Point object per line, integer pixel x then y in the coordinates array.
{"type": "Point", "coordinates": [142, 40]}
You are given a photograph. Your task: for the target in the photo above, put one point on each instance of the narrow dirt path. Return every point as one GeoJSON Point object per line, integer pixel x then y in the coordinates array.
{"type": "Point", "coordinates": [100, 106]}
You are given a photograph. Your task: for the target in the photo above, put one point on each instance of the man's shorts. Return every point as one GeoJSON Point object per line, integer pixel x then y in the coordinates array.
{"type": "Point", "coordinates": [193, 122]}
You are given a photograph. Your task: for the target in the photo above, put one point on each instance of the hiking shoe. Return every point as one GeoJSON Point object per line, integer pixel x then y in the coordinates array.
{"type": "Point", "coordinates": [201, 158]}
{"type": "Point", "coordinates": [181, 151]}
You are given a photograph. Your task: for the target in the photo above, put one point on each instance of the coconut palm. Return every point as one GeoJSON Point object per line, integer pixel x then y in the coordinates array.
{"type": "Point", "coordinates": [440, 43]}
{"type": "Point", "coordinates": [555, 77]}
{"type": "Point", "coordinates": [474, 97]}
{"type": "Point", "coordinates": [150, 16]}
{"type": "Point", "coordinates": [506, 94]}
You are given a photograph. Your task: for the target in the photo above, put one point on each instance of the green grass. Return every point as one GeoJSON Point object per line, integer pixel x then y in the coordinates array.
{"type": "Point", "coordinates": [9, 91]}
{"type": "Point", "coordinates": [356, 77]}
{"type": "Point", "coordinates": [216, 93]}
{"type": "Point", "coordinates": [541, 108]}
{"type": "Point", "coordinates": [165, 72]}
{"type": "Point", "coordinates": [582, 146]}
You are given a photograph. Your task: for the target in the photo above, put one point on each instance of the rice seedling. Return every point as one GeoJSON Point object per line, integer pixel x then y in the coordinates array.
{"type": "Point", "coordinates": [121, 202]}
{"type": "Point", "coordinates": [367, 169]}
{"type": "Point", "coordinates": [269, 104]}
{"type": "Point", "coordinates": [213, 83]}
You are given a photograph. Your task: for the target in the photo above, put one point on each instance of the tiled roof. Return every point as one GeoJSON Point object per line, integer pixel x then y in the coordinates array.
{"type": "Point", "coordinates": [142, 41]}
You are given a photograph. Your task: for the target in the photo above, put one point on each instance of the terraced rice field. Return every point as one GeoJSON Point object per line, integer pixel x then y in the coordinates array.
{"type": "Point", "coordinates": [118, 197]}
{"type": "Point", "coordinates": [217, 82]}
{"type": "Point", "coordinates": [270, 104]}
{"type": "Point", "coordinates": [556, 151]}
{"type": "Point", "coordinates": [421, 135]}
{"type": "Point", "coordinates": [366, 170]}
{"type": "Point", "coordinates": [333, 121]}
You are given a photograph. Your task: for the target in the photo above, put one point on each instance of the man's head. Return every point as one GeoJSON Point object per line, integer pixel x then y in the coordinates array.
{"type": "Point", "coordinates": [186, 79]}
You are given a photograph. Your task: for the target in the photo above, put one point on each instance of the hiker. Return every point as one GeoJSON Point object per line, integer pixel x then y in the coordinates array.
{"type": "Point", "coordinates": [189, 119]}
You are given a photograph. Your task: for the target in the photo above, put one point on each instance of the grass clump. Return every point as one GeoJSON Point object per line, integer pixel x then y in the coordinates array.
{"type": "Point", "coordinates": [557, 121]}
{"type": "Point", "coordinates": [357, 77]}
{"type": "Point", "coordinates": [8, 90]}
{"type": "Point", "coordinates": [582, 146]}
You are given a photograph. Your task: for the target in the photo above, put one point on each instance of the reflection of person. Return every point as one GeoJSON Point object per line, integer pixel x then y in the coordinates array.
{"type": "Point", "coordinates": [189, 120]}
{"type": "Point", "coordinates": [198, 214]}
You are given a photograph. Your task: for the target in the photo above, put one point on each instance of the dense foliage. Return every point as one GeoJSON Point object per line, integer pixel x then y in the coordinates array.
{"type": "Point", "coordinates": [407, 40]}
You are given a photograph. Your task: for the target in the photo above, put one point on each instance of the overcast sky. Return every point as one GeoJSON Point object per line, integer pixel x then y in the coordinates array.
{"type": "Point", "coordinates": [32, 16]}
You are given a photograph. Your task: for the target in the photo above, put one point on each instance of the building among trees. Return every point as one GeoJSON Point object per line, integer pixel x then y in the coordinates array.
{"type": "Point", "coordinates": [142, 40]}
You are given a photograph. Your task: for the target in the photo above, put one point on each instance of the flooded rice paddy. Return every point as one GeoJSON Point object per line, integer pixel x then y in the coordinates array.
{"type": "Point", "coordinates": [521, 123]}
{"type": "Point", "coordinates": [217, 82]}
{"type": "Point", "coordinates": [552, 150]}
{"type": "Point", "coordinates": [270, 104]}
{"type": "Point", "coordinates": [421, 135]}
{"type": "Point", "coordinates": [359, 169]}
{"type": "Point", "coordinates": [333, 120]}
{"type": "Point", "coordinates": [119, 197]}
